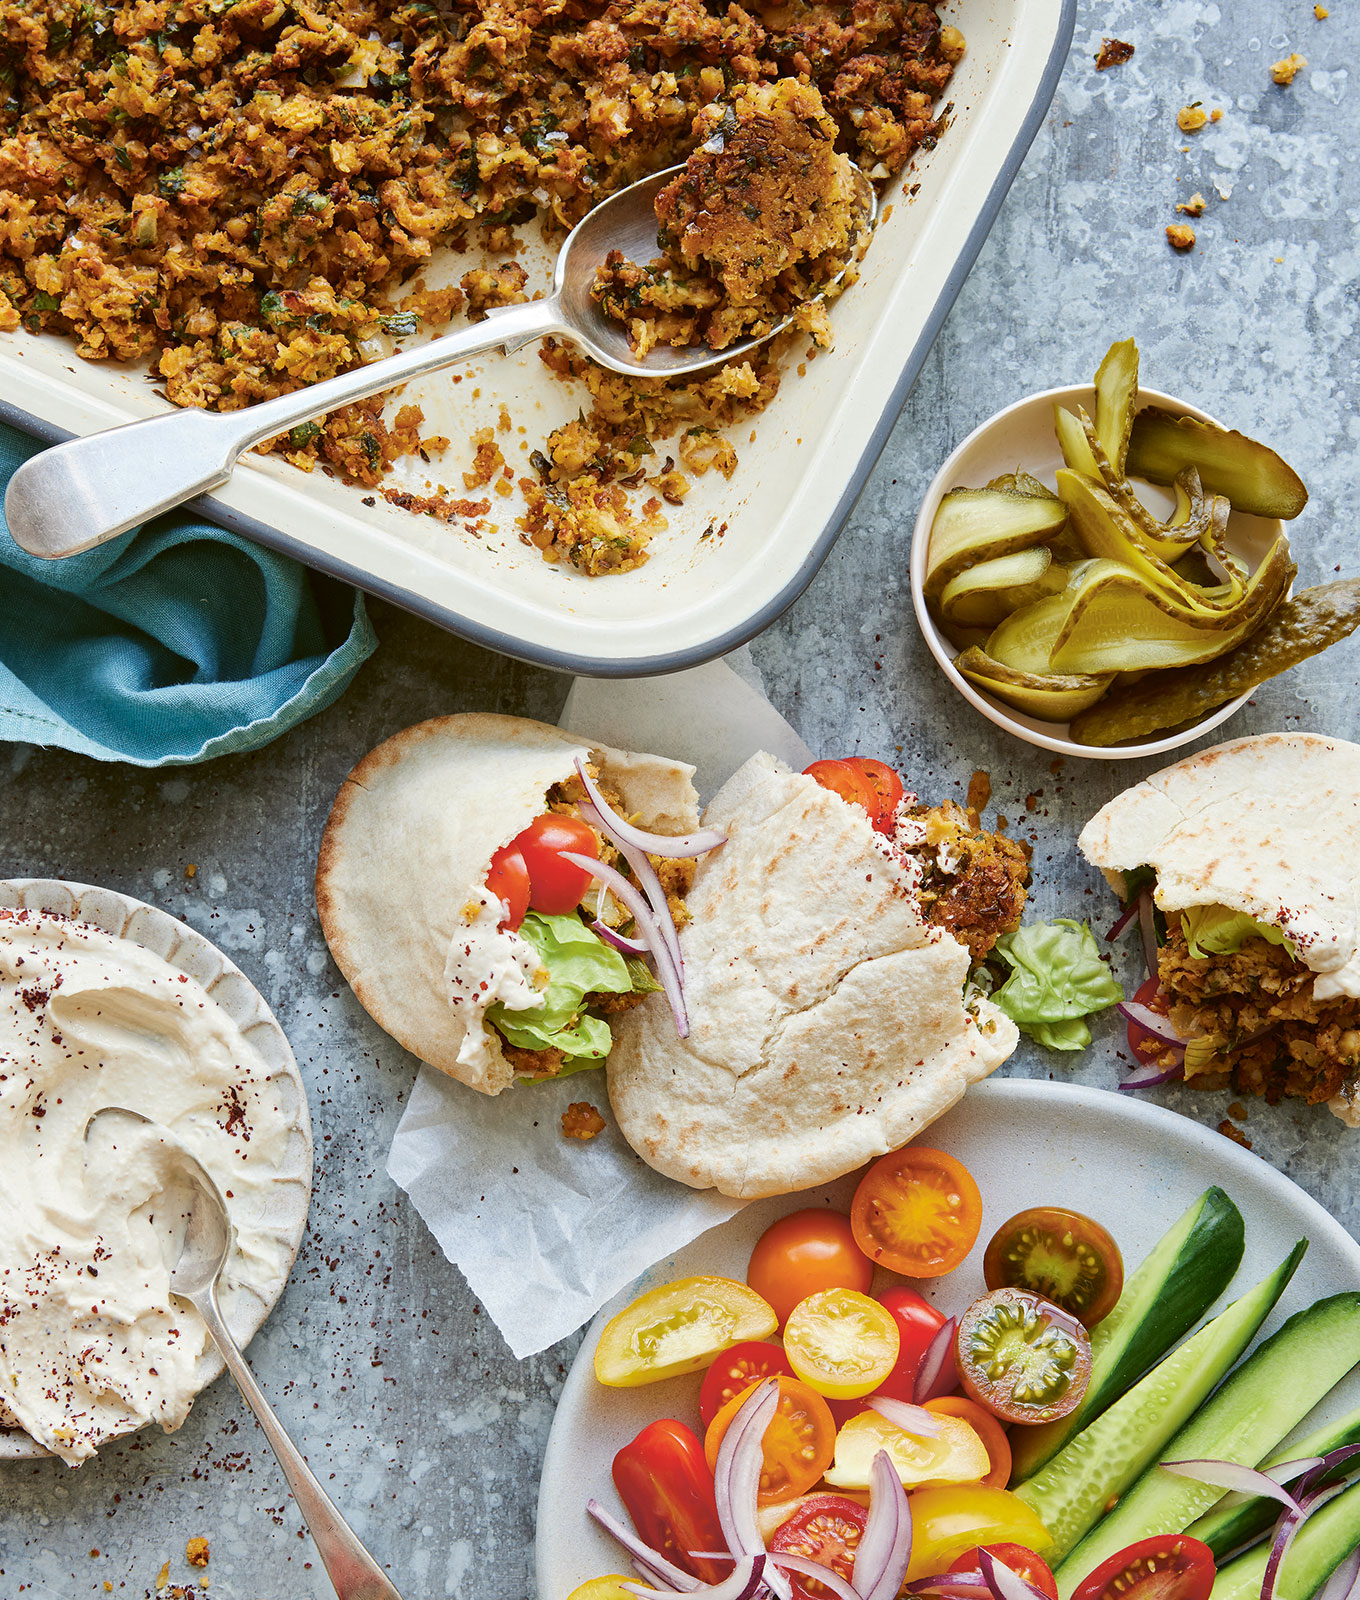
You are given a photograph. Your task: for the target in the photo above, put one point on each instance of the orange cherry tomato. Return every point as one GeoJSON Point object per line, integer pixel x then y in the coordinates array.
{"type": "Point", "coordinates": [843, 779]}
{"type": "Point", "coordinates": [508, 881]}
{"type": "Point", "coordinates": [1062, 1255]}
{"type": "Point", "coordinates": [887, 790]}
{"type": "Point", "coordinates": [1033, 1569]}
{"type": "Point", "coordinates": [803, 1253]}
{"type": "Point", "coordinates": [800, 1442]}
{"type": "Point", "coordinates": [987, 1428]}
{"type": "Point", "coordinates": [555, 886]}
{"type": "Point", "coordinates": [917, 1212]}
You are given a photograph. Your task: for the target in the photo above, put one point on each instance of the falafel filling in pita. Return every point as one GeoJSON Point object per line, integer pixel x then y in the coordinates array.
{"type": "Point", "coordinates": [1249, 853]}
{"type": "Point", "coordinates": [401, 890]}
{"type": "Point", "coordinates": [825, 968]}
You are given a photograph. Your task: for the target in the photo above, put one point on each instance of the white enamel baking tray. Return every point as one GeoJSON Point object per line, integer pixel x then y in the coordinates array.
{"type": "Point", "coordinates": [773, 524]}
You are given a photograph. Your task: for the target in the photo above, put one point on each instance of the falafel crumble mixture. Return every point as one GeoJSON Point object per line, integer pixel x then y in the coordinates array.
{"type": "Point", "coordinates": [244, 196]}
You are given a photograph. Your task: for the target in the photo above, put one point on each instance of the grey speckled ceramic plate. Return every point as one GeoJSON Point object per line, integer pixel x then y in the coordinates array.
{"type": "Point", "coordinates": [245, 1303]}
{"type": "Point", "coordinates": [1132, 1165]}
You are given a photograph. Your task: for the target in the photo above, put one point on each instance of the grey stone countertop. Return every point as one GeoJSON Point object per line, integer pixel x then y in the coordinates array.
{"type": "Point", "coordinates": [421, 1425]}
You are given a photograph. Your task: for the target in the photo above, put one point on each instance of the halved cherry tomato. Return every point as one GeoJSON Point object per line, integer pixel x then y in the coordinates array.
{"type": "Point", "coordinates": [680, 1327]}
{"type": "Point", "coordinates": [841, 1342]}
{"type": "Point", "coordinates": [954, 1455]}
{"type": "Point", "coordinates": [610, 1587]}
{"type": "Point", "coordinates": [1144, 1045]}
{"type": "Point", "coordinates": [945, 1522]}
{"type": "Point", "coordinates": [826, 1528]}
{"type": "Point", "coordinates": [736, 1370]}
{"type": "Point", "coordinates": [917, 1212]}
{"type": "Point", "coordinates": [508, 881]}
{"type": "Point", "coordinates": [667, 1486]}
{"type": "Point", "coordinates": [843, 779]}
{"type": "Point", "coordinates": [1062, 1255]}
{"type": "Point", "coordinates": [1169, 1567]}
{"type": "Point", "coordinates": [917, 1324]}
{"type": "Point", "coordinates": [1033, 1569]}
{"type": "Point", "coordinates": [987, 1428]}
{"type": "Point", "coordinates": [887, 790]}
{"type": "Point", "coordinates": [555, 886]}
{"type": "Point", "coordinates": [1022, 1357]}
{"type": "Point", "coordinates": [804, 1252]}
{"type": "Point", "coordinates": [799, 1443]}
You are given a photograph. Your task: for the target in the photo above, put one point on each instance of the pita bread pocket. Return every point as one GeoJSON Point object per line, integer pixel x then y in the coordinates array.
{"type": "Point", "coordinates": [402, 870]}
{"type": "Point", "coordinates": [828, 1022]}
{"type": "Point", "coordinates": [1253, 847]}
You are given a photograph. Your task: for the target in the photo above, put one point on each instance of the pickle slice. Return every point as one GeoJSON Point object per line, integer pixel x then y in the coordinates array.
{"type": "Point", "coordinates": [1198, 518]}
{"type": "Point", "coordinates": [1250, 474]}
{"type": "Point", "coordinates": [1073, 443]}
{"type": "Point", "coordinates": [987, 591]}
{"type": "Point", "coordinates": [1116, 401]}
{"type": "Point", "coordinates": [1023, 483]}
{"type": "Point", "coordinates": [974, 525]}
{"type": "Point", "coordinates": [1048, 696]}
{"type": "Point", "coordinates": [1303, 626]}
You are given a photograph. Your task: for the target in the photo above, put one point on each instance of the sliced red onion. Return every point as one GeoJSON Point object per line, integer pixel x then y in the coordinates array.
{"type": "Point", "coordinates": [1324, 1464]}
{"type": "Point", "coordinates": [630, 947]}
{"type": "Point", "coordinates": [814, 1569]}
{"type": "Point", "coordinates": [1151, 1021]}
{"type": "Point", "coordinates": [673, 847]}
{"type": "Point", "coordinates": [736, 1472]}
{"type": "Point", "coordinates": [1310, 1500]}
{"type": "Point", "coordinates": [741, 1584]}
{"type": "Point", "coordinates": [1124, 920]}
{"type": "Point", "coordinates": [884, 1550]}
{"type": "Point", "coordinates": [1287, 1471]}
{"type": "Point", "coordinates": [1148, 927]}
{"type": "Point", "coordinates": [643, 916]}
{"type": "Point", "coordinates": [645, 874]}
{"type": "Point", "coordinates": [911, 1419]}
{"type": "Point", "coordinates": [936, 1375]}
{"type": "Point", "coordinates": [643, 1555]}
{"type": "Point", "coordinates": [1148, 1075]}
{"type": "Point", "coordinates": [1231, 1475]}
{"type": "Point", "coordinates": [1344, 1583]}
{"type": "Point", "coordinates": [1004, 1582]}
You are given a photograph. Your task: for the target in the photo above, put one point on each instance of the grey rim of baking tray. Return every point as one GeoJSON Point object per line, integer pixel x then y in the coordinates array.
{"type": "Point", "coordinates": [648, 666]}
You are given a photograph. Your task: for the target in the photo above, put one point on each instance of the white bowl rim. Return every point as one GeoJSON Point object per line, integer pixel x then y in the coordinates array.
{"type": "Point", "coordinates": [938, 646]}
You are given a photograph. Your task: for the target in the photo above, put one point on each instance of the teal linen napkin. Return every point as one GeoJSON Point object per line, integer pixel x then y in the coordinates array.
{"type": "Point", "coordinates": [173, 643]}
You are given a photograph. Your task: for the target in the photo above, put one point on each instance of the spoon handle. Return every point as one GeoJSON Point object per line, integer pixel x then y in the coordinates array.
{"type": "Point", "coordinates": [355, 1574]}
{"type": "Point", "coordinates": [79, 494]}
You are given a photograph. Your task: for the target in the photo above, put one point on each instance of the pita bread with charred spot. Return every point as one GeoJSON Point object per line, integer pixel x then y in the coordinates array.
{"type": "Point", "coordinates": [827, 1020]}
{"type": "Point", "coordinates": [409, 842]}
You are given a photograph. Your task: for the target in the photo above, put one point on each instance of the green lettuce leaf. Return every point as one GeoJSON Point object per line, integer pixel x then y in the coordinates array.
{"type": "Point", "coordinates": [579, 963]}
{"type": "Point", "coordinates": [1057, 978]}
{"type": "Point", "coordinates": [1217, 931]}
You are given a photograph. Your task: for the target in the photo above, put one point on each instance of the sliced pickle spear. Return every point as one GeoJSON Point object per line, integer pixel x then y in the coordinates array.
{"type": "Point", "coordinates": [1197, 519]}
{"type": "Point", "coordinates": [1250, 474]}
{"type": "Point", "coordinates": [1023, 483]}
{"type": "Point", "coordinates": [1116, 401]}
{"type": "Point", "coordinates": [974, 525]}
{"type": "Point", "coordinates": [985, 593]}
{"type": "Point", "coordinates": [1053, 698]}
{"type": "Point", "coordinates": [1309, 623]}
{"type": "Point", "coordinates": [1073, 443]}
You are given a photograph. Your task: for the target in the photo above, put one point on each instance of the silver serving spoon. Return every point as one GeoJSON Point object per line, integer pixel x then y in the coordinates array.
{"type": "Point", "coordinates": [76, 495]}
{"type": "Point", "coordinates": [194, 1277]}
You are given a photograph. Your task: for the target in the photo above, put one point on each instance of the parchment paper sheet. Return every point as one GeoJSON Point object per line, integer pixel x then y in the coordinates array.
{"type": "Point", "coordinates": [545, 1229]}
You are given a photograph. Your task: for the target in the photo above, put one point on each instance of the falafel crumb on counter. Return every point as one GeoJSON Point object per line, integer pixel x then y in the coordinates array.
{"type": "Point", "coordinates": [581, 1120]}
{"type": "Point", "coordinates": [1180, 236]}
{"type": "Point", "coordinates": [197, 1552]}
{"type": "Point", "coordinates": [1194, 206]}
{"type": "Point", "coordinates": [1286, 70]}
{"type": "Point", "coordinates": [1191, 118]}
{"type": "Point", "coordinates": [760, 226]}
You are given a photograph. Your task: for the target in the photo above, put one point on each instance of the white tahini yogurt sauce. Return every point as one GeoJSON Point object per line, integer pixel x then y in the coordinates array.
{"type": "Point", "coordinates": [485, 966]}
{"type": "Point", "coordinates": [91, 1342]}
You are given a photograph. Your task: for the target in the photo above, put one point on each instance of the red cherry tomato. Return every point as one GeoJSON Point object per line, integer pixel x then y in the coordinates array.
{"type": "Point", "coordinates": [887, 789]}
{"type": "Point", "coordinates": [555, 886]}
{"type": "Point", "coordinates": [803, 1253]}
{"type": "Point", "coordinates": [508, 882]}
{"type": "Point", "coordinates": [1169, 1567]}
{"type": "Point", "coordinates": [736, 1370]}
{"type": "Point", "coordinates": [826, 1528]}
{"type": "Point", "coordinates": [1144, 1045]}
{"type": "Point", "coordinates": [665, 1483]}
{"type": "Point", "coordinates": [846, 781]}
{"type": "Point", "coordinates": [917, 1324]}
{"type": "Point", "coordinates": [1033, 1569]}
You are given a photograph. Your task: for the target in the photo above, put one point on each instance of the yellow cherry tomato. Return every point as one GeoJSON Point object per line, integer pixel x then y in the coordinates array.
{"type": "Point", "coordinates": [946, 1522]}
{"type": "Point", "coordinates": [955, 1455]}
{"type": "Point", "coordinates": [841, 1343]}
{"type": "Point", "coordinates": [681, 1327]}
{"type": "Point", "coordinates": [607, 1588]}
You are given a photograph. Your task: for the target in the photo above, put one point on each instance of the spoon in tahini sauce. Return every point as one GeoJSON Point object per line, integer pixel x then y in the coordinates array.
{"type": "Point", "coordinates": [194, 1277]}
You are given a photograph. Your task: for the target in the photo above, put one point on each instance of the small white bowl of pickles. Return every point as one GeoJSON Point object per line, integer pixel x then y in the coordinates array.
{"type": "Point", "coordinates": [1104, 571]}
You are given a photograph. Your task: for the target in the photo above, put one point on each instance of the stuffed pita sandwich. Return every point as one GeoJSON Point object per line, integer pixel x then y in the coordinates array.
{"type": "Point", "coordinates": [1247, 853]}
{"type": "Point", "coordinates": [826, 985]}
{"type": "Point", "coordinates": [450, 906]}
